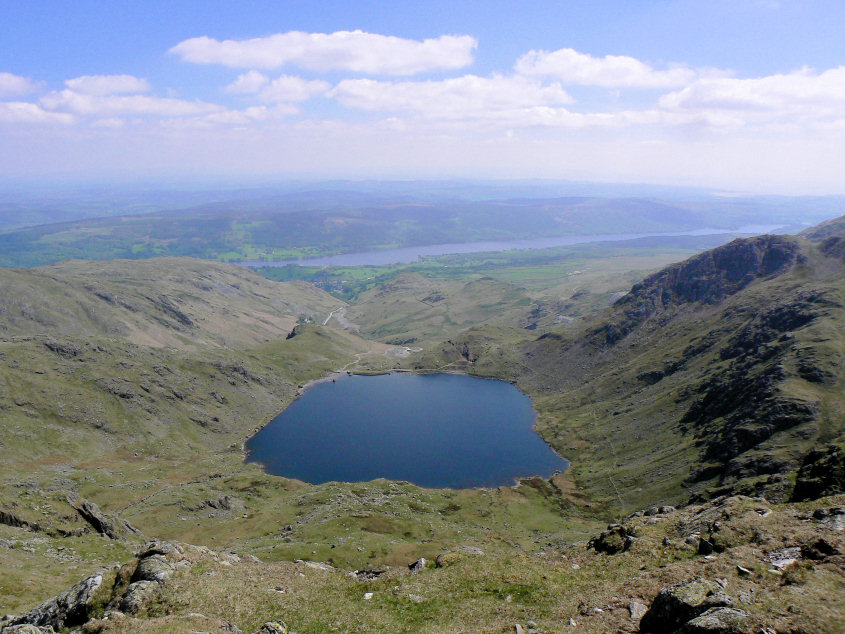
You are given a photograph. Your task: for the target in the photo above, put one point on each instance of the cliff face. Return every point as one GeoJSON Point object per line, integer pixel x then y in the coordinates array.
{"type": "Point", "coordinates": [706, 278]}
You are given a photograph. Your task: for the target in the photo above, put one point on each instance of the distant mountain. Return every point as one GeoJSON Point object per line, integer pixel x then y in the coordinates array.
{"type": "Point", "coordinates": [719, 374]}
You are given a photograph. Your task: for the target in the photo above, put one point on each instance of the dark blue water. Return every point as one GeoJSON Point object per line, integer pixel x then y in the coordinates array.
{"type": "Point", "coordinates": [435, 430]}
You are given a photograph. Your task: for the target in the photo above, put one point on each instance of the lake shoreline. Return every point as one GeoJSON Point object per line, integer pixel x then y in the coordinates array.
{"type": "Point", "coordinates": [521, 444]}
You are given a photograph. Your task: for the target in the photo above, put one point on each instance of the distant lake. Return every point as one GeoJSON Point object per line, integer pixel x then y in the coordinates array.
{"type": "Point", "coordinates": [435, 430]}
{"type": "Point", "coordinates": [404, 255]}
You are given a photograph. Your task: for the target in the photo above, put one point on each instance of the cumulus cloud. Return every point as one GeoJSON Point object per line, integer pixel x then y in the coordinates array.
{"type": "Point", "coordinates": [288, 88]}
{"type": "Point", "coordinates": [247, 83]}
{"type": "Point", "coordinates": [803, 89]}
{"type": "Point", "coordinates": [355, 51]}
{"type": "Point", "coordinates": [15, 85]}
{"type": "Point", "coordinates": [570, 66]}
{"type": "Point", "coordinates": [116, 105]}
{"type": "Point", "coordinates": [108, 85]}
{"type": "Point", "coordinates": [454, 98]}
{"type": "Point", "coordinates": [24, 112]}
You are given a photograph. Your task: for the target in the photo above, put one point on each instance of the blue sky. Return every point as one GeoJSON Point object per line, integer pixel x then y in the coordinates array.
{"type": "Point", "coordinates": [747, 95]}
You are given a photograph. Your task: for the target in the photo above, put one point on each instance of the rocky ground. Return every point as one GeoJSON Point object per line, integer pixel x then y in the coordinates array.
{"type": "Point", "coordinates": [734, 564]}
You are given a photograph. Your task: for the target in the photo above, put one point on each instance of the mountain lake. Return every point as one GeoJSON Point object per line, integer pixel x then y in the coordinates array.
{"type": "Point", "coordinates": [434, 430]}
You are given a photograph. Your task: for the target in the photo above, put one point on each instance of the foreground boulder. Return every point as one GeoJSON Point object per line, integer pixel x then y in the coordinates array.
{"type": "Point", "coordinates": [677, 605]}
{"type": "Point", "coordinates": [71, 607]}
{"type": "Point", "coordinates": [615, 539]}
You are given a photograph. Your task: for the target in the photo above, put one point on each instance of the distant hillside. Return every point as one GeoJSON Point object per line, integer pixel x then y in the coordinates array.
{"type": "Point", "coordinates": [828, 229]}
{"type": "Point", "coordinates": [718, 374]}
{"type": "Point", "coordinates": [308, 224]}
{"type": "Point", "coordinates": [157, 302]}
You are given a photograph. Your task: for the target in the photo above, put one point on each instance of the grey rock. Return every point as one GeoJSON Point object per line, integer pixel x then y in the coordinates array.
{"type": "Point", "coordinates": [273, 627]}
{"type": "Point", "coordinates": [153, 568]}
{"type": "Point", "coordinates": [69, 608]}
{"type": "Point", "coordinates": [518, 629]}
{"type": "Point", "coordinates": [637, 610]}
{"type": "Point", "coordinates": [137, 595]}
{"type": "Point", "coordinates": [115, 528]}
{"type": "Point", "coordinates": [675, 605]}
{"type": "Point", "coordinates": [27, 629]}
{"type": "Point", "coordinates": [717, 621]}
{"type": "Point", "coordinates": [418, 565]}
{"type": "Point", "coordinates": [157, 548]}
{"type": "Point", "coordinates": [615, 539]}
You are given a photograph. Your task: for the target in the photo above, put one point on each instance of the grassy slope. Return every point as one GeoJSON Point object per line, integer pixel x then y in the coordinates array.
{"type": "Point", "coordinates": [135, 384]}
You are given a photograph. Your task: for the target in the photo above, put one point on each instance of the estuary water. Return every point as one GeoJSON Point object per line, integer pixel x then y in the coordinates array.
{"type": "Point", "coordinates": [435, 430]}
{"type": "Point", "coordinates": [404, 255]}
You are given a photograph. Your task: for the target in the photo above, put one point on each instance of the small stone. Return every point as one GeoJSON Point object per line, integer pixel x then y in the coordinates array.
{"type": "Point", "coordinates": [576, 567]}
{"type": "Point", "coordinates": [418, 565]}
{"type": "Point", "coordinates": [704, 547]}
{"type": "Point", "coordinates": [742, 571]}
{"type": "Point", "coordinates": [637, 610]}
{"type": "Point", "coordinates": [509, 598]}
{"type": "Point", "coordinates": [518, 629]}
{"type": "Point", "coordinates": [273, 627]}
{"type": "Point", "coordinates": [368, 596]}
{"type": "Point", "coordinates": [722, 581]}
{"type": "Point", "coordinates": [572, 622]}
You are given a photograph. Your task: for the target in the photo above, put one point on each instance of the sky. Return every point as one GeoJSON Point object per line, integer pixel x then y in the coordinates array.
{"type": "Point", "coordinates": [740, 95]}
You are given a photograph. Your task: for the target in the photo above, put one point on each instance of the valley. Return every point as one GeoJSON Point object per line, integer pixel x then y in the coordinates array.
{"type": "Point", "coordinates": [686, 396]}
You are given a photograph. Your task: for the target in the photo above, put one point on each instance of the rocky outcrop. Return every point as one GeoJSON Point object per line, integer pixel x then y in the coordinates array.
{"type": "Point", "coordinates": [71, 607]}
{"type": "Point", "coordinates": [676, 606]}
{"type": "Point", "coordinates": [741, 405]}
{"type": "Point", "coordinates": [115, 528]}
{"type": "Point", "coordinates": [706, 278]}
{"type": "Point", "coordinates": [615, 539]}
{"type": "Point", "coordinates": [155, 567]}
{"type": "Point", "coordinates": [822, 473]}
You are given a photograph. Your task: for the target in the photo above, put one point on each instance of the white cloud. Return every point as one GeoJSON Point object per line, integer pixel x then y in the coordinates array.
{"type": "Point", "coordinates": [108, 85]}
{"type": "Point", "coordinates": [288, 88]}
{"type": "Point", "coordinates": [15, 85]}
{"type": "Point", "coordinates": [356, 51]}
{"type": "Point", "coordinates": [247, 83]}
{"type": "Point", "coordinates": [112, 105]}
{"type": "Point", "coordinates": [570, 66]}
{"type": "Point", "coordinates": [24, 112]}
{"type": "Point", "coordinates": [803, 89]}
{"type": "Point", "coordinates": [455, 98]}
